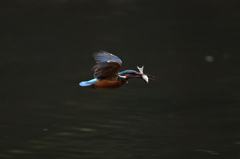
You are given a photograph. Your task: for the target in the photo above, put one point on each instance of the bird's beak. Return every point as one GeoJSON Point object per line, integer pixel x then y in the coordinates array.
{"type": "Point", "coordinates": [145, 77]}
{"type": "Point", "coordinates": [150, 77]}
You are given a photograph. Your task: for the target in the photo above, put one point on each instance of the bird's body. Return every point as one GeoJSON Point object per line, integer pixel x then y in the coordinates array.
{"type": "Point", "coordinates": [106, 72]}
{"type": "Point", "coordinates": [107, 84]}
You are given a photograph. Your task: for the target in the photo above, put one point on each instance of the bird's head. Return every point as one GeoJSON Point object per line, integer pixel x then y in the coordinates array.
{"type": "Point", "coordinates": [130, 74]}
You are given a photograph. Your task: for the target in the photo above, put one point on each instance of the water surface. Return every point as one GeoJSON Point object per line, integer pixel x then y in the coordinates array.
{"type": "Point", "coordinates": [190, 111]}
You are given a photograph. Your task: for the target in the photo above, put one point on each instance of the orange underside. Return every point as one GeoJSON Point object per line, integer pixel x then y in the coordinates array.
{"type": "Point", "coordinates": [106, 84]}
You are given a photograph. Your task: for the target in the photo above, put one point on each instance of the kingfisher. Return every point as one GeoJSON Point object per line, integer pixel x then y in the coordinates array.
{"type": "Point", "coordinates": [106, 75]}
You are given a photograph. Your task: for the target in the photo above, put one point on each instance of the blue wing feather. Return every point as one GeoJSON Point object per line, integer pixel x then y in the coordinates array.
{"type": "Point", "coordinates": [104, 56]}
{"type": "Point", "coordinates": [88, 83]}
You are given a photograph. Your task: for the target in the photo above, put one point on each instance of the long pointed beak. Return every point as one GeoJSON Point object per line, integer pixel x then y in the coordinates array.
{"type": "Point", "coordinates": [151, 77]}
{"type": "Point", "coordinates": [145, 77]}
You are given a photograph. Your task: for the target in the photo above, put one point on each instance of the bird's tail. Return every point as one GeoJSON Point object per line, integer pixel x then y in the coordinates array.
{"type": "Point", "coordinates": [87, 83]}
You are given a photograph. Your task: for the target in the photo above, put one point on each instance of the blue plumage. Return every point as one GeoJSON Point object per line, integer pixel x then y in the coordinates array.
{"type": "Point", "coordinates": [127, 72]}
{"type": "Point", "coordinates": [104, 56]}
{"type": "Point", "coordinates": [88, 83]}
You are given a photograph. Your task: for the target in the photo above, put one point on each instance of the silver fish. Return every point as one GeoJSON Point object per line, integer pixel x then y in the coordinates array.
{"type": "Point", "coordinates": [145, 77]}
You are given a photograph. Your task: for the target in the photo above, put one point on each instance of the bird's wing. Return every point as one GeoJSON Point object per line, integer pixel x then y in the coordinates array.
{"type": "Point", "coordinates": [103, 56]}
{"type": "Point", "coordinates": [107, 65]}
{"type": "Point", "coordinates": [106, 70]}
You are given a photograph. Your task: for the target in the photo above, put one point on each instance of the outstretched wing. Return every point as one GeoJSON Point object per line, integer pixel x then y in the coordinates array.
{"type": "Point", "coordinates": [107, 65]}
{"type": "Point", "coordinates": [104, 56]}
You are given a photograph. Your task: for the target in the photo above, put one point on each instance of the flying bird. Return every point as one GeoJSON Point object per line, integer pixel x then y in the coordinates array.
{"type": "Point", "coordinates": [106, 75]}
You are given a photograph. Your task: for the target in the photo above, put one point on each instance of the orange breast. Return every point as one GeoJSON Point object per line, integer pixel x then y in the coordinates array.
{"type": "Point", "coordinates": [106, 84]}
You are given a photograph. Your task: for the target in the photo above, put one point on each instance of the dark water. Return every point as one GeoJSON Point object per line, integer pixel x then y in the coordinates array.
{"type": "Point", "coordinates": [190, 111]}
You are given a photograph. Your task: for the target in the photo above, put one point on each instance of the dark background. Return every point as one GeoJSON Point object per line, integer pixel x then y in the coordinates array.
{"type": "Point", "coordinates": [190, 111]}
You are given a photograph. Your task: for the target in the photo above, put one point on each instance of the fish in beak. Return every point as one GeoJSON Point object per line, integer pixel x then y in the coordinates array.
{"type": "Point", "coordinates": [145, 77]}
